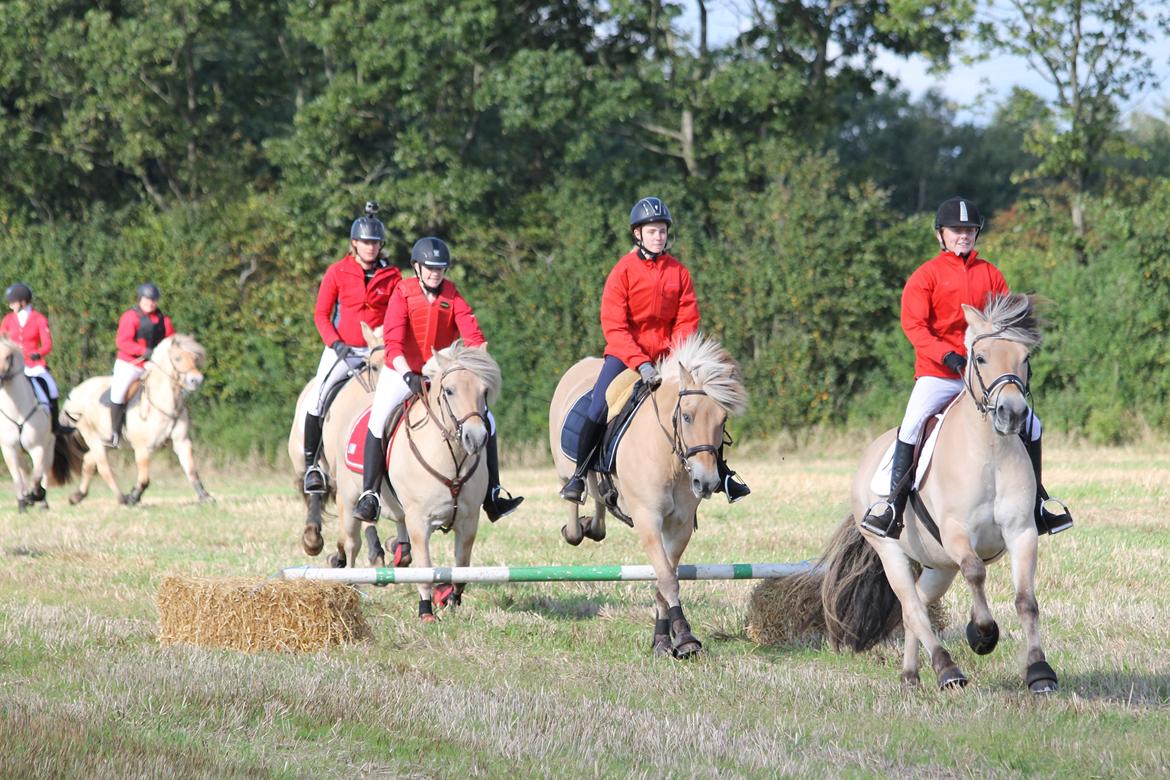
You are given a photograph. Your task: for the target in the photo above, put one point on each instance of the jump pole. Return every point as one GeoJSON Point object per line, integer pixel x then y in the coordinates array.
{"type": "Point", "coordinates": [386, 575]}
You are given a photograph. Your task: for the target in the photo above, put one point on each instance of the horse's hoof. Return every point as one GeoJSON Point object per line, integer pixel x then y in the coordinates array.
{"type": "Point", "coordinates": [21, 505]}
{"type": "Point", "coordinates": [688, 648]}
{"type": "Point", "coordinates": [428, 618]}
{"type": "Point", "coordinates": [401, 552]}
{"type": "Point", "coordinates": [951, 679]}
{"type": "Point", "coordinates": [441, 595]}
{"type": "Point", "coordinates": [1041, 678]}
{"type": "Point", "coordinates": [592, 529]}
{"type": "Point", "coordinates": [207, 498]}
{"type": "Point", "coordinates": [127, 500]}
{"type": "Point", "coordinates": [76, 498]}
{"type": "Point", "coordinates": [910, 681]}
{"type": "Point", "coordinates": [311, 540]}
{"type": "Point", "coordinates": [661, 646]}
{"type": "Point", "coordinates": [336, 560]}
{"type": "Point", "coordinates": [569, 538]}
{"type": "Point", "coordinates": [982, 643]}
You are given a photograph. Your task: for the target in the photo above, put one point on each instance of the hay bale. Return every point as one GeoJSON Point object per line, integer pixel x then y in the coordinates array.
{"type": "Point", "coordinates": [787, 610]}
{"type": "Point", "coordinates": [256, 615]}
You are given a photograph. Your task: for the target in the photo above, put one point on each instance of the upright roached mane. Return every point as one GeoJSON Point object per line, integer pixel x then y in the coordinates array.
{"type": "Point", "coordinates": [712, 367]}
{"type": "Point", "coordinates": [475, 360]}
{"type": "Point", "coordinates": [1012, 317]}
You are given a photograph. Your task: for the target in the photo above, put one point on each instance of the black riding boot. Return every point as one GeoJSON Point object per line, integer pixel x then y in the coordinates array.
{"type": "Point", "coordinates": [314, 481]}
{"type": "Point", "coordinates": [888, 521]}
{"type": "Point", "coordinates": [591, 432]}
{"type": "Point", "coordinates": [54, 413]}
{"type": "Point", "coordinates": [117, 417]}
{"type": "Point", "coordinates": [730, 483]}
{"type": "Point", "coordinates": [495, 505]}
{"type": "Point", "coordinates": [1047, 522]}
{"type": "Point", "coordinates": [369, 505]}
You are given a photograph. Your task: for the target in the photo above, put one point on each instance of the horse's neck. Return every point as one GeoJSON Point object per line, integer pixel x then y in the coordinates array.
{"type": "Point", "coordinates": [654, 432]}
{"type": "Point", "coordinates": [17, 395]}
{"type": "Point", "coordinates": [161, 392]}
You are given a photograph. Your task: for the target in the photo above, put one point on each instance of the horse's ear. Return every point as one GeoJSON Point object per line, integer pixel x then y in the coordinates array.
{"type": "Point", "coordinates": [975, 319]}
{"type": "Point", "coordinates": [482, 346]}
{"type": "Point", "coordinates": [685, 379]}
{"type": "Point", "coordinates": [441, 360]}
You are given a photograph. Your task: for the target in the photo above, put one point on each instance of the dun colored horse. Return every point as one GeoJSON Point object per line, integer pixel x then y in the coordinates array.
{"type": "Point", "coordinates": [356, 394]}
{"type": "Point", "coordinates": [979, 493]}
{"type": "Point", "coordinates": [157, 413]}
{"type": "Point", "coordinates": [436, 466]}
{"type": "Point", "coordinates": [665, 465]}
{"type": "Point", "coordinates": [25, 428]}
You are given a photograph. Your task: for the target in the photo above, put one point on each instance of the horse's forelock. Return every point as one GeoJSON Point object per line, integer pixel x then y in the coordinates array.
{"type": "Point", "coordinates": [713, 369]}
{"type": "Point", "coordinates": [478, 362]}
{"type": "Point", "coordinates": [1013, 317]}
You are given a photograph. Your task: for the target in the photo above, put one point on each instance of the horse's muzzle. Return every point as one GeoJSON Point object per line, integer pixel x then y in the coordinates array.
{"type": "Point", "coordinates": [473, 437]}
{"type": "Point", "coordinates": [192, 382]}
{"type": "Point", "coordinates": [704, 479]}
{"type": "Point", "coordinates": [1011, 412]}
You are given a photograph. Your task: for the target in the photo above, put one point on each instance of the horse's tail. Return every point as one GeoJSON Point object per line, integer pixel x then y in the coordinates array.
{"type": "Point", "coordinates": [860, 607]}
{"type": "Point", "coordinates": [68, 452]}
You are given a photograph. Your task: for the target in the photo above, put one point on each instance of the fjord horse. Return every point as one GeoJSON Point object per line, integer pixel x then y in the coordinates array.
{"type": "Point", "coordinates": [436, 465]}
{"type": "Point", "coordinates": [979, 492]}
{"type": "Point", "coordinates": [157, 413]}
{"type": "Point", "coordinates": [25, 428]}
{"type": "Point", "coordinates": [665, 465]}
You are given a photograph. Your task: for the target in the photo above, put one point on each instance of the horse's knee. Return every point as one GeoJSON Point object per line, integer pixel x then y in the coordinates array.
{"type": "Point", "coordinates": [974, 570]}
{"type": "Point", "coordinates": [1026, 606]}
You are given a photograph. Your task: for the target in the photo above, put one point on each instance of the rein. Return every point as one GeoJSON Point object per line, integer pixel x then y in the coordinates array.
{"type": "Point", "coordinates": [454, 484]}
{"type": "Point", "coordinates": [674, 437]}
{"type": "Point", "coordinates": [176, 383]}
{"type": "Point", "coordinates": [990, 392]}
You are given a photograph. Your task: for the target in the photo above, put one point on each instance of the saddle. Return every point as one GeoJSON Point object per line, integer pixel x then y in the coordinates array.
{"type": "Point", "coordinates": [131, 393]}
{"type": "Point", "coordinates": [923, 452]}
{"type": "Point", "coordinates": [355, 440]}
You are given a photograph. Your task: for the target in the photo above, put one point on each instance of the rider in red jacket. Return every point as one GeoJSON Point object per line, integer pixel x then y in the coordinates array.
{"type": "Point", "coordinates": [425, 313]}
{"type": "Point", "coordinates": [648, 306]}
{"type": "Point", "coordinates": [140, 329]}
{"type": "Point", "coordinates": [30, 330]}
{"type": "Point", "coordinates": [934, 322]}
{"type": "Point", "coordinates": [358, 287]}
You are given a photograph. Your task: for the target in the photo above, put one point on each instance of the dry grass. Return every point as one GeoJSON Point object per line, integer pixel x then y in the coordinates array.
{"type": "Point", "coordinates": [557, 679]}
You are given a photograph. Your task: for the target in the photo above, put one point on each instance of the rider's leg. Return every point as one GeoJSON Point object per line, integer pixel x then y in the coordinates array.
{"type": "Point", "coordinates": [330, 370]}
{"type": "Point", "coordinates": [124, 374]}
{"type": "Point", "coordinates": [1051, 515]}
{"type": "Point", "coordinates": [592, 430]}
{"type": "Point", "coordinates": [730, 483]}
{"type": "Point", "coordinates": [314, 479]}
{"type": "Point", "coordinates": [390, 392]}
{"type": "Point", "coordinates": [496, 505]}
{"type": "Point", "coordinates": [930, 393]}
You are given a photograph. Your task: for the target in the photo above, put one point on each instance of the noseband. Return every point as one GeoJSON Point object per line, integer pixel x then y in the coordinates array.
{"type": "Point", "coordinates": [991, 391]}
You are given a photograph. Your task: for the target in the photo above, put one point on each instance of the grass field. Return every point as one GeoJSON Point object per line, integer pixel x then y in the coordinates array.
{"type": "Point", "coordinates": [556, 679]}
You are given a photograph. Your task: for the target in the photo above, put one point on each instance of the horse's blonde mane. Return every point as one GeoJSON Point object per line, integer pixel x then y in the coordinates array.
{"type": "Point", "coordinates": [477, 361]}
{"type": "Point", "coordinates": [1012, 316]}
{"type": "Point", "coordinates": [712, 367]}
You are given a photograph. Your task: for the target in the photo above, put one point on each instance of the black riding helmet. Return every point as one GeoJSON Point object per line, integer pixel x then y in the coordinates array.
{"type": "Point", "coordinates": [149, 290]}
{"type": "Point", "coordinates": [649, 210]}
{"type": "Point", "coordinates": [369, 227]}
{"type": "Point", "coordinates": [431, 252]}
{"type": "Point", "coordinates": [958, 212]}
{"type": "Point", "coordinates": [19, 291]}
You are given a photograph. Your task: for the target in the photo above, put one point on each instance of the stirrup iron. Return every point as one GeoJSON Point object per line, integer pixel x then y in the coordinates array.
{"type": "Point", "coordinates": [314, 482]}
{"type": "Point", "coordinates": [884, 521]}
{"type": "Point", "coordinates": [1054, 522]}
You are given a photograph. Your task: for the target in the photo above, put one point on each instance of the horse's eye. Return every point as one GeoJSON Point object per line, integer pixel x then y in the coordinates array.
{"type": "Point", "coordinates": [449, 391]}
{"type": "Point", "coordinates": [980, 359]}
{"type": "Point", "coordinates": [688, 419]}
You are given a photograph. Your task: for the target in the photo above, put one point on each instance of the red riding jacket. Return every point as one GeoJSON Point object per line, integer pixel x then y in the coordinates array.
{"type": "Point", "coordinates": [647, 306]}
{"type": "Point", "coordinates": [33, 337]}
{"type": "Point", "coordinates": [138, 331]}
{"type": "Point", "coordinates": [932, 307]}
{"type": "Point", "coordinates": [345, 284]}
{"type": "Point", "coordinates": [414, 327]}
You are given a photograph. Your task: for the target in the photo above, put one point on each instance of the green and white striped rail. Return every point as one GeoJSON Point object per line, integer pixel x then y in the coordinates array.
{"type": "Point", "coordinates": [498, 574]}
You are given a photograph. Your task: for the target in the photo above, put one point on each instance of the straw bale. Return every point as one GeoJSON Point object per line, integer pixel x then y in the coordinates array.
{"type": "Point", "coordinates": [257, 615]}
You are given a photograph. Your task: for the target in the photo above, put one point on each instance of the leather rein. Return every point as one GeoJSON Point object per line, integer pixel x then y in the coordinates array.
{"type": "Point", "coordinates": [678, 446]}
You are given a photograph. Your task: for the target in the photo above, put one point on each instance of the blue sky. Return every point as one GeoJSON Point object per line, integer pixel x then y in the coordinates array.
{"type": "Point", "coordinates": [964, 83]}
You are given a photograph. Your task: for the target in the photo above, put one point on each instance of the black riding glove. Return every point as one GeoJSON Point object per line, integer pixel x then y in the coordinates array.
{"type": "Point", "coordinates": [149, 351]}
{"type": "Point", "coordinates": [342, 349]}
{"type": "Point", "coordinates": [650, 376]}
{"type": "Point", "coordinates": [955, 362]}
{"type": "Point", "coordinates": [414, 382]}
{"type": "Point", "coordinates": [34, 356]}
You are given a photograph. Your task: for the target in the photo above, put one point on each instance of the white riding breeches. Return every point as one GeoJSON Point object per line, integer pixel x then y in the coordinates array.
{"type": "Point", "coordinates": [332, 370]}
{"type": "Point", "coordinates": [929, 396]}
{"type": "Point", "coordinates": [42, 373]}
{"type": "Point", "coordinates": [392, 391]}
{"type": "Point", "coordinates": [124, 374]}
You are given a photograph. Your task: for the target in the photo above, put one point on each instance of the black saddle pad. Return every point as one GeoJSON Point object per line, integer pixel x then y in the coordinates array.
{"type": "Point", "coordinates": [575, 419]}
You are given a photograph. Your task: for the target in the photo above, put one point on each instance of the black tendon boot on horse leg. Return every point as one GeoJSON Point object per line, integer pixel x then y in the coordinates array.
{"type": "Point", "coordinates": [117, 417]}
{"type": "Point", "coordinates": [884, 518]}
{"type": "Point", "coordinates": [495, 505]}
{"type": "Point", "coordinates": [685, 643]}
{"type": "Point", "coordinates": [314, 480]}
{"type": "Point", "coordinates": [590, 437]}
{"type": "Point", "coordinates": [369, 504]}
{"type": "Point", "coordinates": [1047, 520]}
{"type": "Point", "coordinates": [730, 482]}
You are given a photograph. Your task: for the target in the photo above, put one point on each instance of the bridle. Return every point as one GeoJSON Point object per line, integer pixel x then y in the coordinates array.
{"type": "Point", "coordinates": [176, 380]}
{"type": "Point", "coordinates": [7, 377]}
{"type": "Point", "coordinates": [991, 392]}
{"type": "Point", "coordinates": [678, 446]}
{"type": "Point", "coordinates": [450, 435]}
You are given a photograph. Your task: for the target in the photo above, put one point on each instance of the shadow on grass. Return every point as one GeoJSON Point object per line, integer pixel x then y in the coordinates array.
{"type": "Point", "coordinates": [555, 608]}
{"type": "Point", "coordinates": [1131, 689]}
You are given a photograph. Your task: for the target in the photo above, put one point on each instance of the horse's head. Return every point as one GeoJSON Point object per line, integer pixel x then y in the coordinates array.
{"type": "Point", "coordinates": [181, 357]}
{"type": "Point", "coordinates": [464, 380]}
{"type": "Point", "coordinates": [11, 359]}
{"type": "Point", "coordinates": [710, 388]}
{"type": "Point", "coordinates": [377, 346]}
{"type": "Point", "coordinates": [999, 340]}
